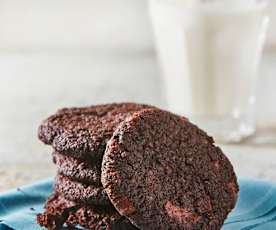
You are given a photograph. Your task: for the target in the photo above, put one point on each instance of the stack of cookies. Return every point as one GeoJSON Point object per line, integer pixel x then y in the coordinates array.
{"type": "Point", "coordinates": [133, 166]}
{"type": "Point", "coordinates": [78, 137]}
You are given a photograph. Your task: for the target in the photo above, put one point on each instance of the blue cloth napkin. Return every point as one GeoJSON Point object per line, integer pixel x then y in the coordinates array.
{"type": "Point", "coordinates": [256, 208]}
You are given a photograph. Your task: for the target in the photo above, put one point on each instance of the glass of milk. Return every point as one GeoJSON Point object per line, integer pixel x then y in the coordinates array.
{"type": "Point", "coordinates": [209, 53]}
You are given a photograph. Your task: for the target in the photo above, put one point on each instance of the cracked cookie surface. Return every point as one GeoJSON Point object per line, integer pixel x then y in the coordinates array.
{"type": "Point", "coordinates": [59, 211]}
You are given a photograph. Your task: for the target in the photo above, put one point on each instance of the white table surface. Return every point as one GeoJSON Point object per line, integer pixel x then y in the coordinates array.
{"type": "Point", "coordinates": [34, 84]}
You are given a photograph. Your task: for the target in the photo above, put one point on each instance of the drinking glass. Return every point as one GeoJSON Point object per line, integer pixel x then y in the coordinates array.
{"type": "Point", "coordinates": [209, 53]}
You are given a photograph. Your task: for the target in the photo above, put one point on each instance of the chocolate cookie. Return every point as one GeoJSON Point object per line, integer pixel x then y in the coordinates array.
{"type": "Point", "coordinates": [79, 192]}
{"type": "Point", "coordinates": [78, 170]}
{"type": "Point", "coordinates": [83, 132]}
{"type": "Point", "coordinates": [163, 172]}
{"type": "Point", "coordinates": [59, 211]}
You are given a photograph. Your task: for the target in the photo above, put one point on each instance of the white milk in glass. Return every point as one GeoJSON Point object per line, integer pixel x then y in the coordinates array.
{"type": "Point", "coordinates": [209, 52]}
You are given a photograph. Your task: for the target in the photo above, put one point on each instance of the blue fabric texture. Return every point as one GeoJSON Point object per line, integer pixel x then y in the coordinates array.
{"type": "Point", "coordinates": [256, 208]}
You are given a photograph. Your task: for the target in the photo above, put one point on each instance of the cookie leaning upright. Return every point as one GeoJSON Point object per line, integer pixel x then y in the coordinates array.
{"type": "Point", "coordinates": [162, 172]}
